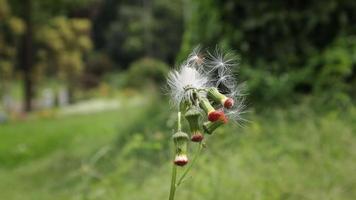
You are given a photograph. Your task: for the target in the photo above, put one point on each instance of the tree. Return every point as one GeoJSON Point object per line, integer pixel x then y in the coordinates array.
{"type": "Point", "coordinates": [36, 13]}
{"type": "Point", "coordinates": [11, 28]}
{"type": "Point", "coordinates": [63, 42]}
{"type": "Point", "coordinates": [279, 41]}
{"type": "Point", "coordinates": [139, 28]}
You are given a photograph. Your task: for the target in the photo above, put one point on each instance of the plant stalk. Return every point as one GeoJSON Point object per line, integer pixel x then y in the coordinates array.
{"type": "Point", "coordinates": [174, 168]}
{"type": "Point", "coordinates": [181, 179]}
{"type": "Point", "coordinates": [179, 124]}
{"type": "Point", "coordinates": [173, 182]}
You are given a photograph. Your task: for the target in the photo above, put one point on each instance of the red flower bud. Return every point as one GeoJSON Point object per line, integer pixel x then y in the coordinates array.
{"type": "Point", "coordinates": [228, 103]}
{"type": "Point", "coordinates": [197, 137]}
{"type": "Point", "coordinates": [181, 160]}
{"type": "Point", "coordinates": [181, 141]}
{"type": "Point", "coordinates": [217, 115]}
{"type": "Point", "coordinates": [192, 117]}
{"type": "Point", "coordinates": [217, 97]}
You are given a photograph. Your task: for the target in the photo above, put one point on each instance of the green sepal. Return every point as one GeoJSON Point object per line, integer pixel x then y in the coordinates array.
{"type": "Point", "coordinates": [193, 116]}
{"type": "Point", "coordinates": [181, 142]}
{"type": "Point", "coordinates": [210, 127]}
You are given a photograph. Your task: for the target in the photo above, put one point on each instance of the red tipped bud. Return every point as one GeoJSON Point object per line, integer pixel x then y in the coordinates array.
{"type": "Point", "coordinates": [181, 142]}
{"type": "Point", "coordinates": [228, 103]}
{"type": "Point", "coordinates": [217, 115]}
{"type": "Point", "coordinates": [219, 98]}
{"type": "Point", "coordinates": [181, 160]}
{"type": "Point", "coordinates": [192, 116]}
{"type": "Point", "coordinates": [197, 137]}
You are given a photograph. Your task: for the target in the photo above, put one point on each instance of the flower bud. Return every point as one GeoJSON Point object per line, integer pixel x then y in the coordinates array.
{"type": "Point", "coordinates": [192, 116]}
{"type": "Point", "coordinates": [181, 142]}
{"type": "Point", "coordinates": [213, 115]}
{"type": "Point", "coordinates": [216, 96]}
{"type": "Point", "coordinates": [216, 116]}
{"type": "Point", "coordinates": [228, 103]}
{"type": "Point", "coordinates": [210, 127]}
{"type": "Point", "coordinates": [181, 160]}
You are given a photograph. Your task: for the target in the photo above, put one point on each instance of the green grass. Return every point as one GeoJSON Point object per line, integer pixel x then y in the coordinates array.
{"type": "Point", "coordinates": [291, 153]}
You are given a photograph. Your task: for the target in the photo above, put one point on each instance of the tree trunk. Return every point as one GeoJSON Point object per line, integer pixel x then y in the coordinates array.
{"type": "Point", "coordinates": [27, 56]}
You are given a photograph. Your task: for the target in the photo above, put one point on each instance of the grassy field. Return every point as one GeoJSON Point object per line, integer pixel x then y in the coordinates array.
{"type": "Point", "coordinates": [291, 153]}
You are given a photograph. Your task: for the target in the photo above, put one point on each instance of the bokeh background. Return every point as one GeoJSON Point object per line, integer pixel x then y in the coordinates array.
{"type": "Point", "coordinates": [83, 114]}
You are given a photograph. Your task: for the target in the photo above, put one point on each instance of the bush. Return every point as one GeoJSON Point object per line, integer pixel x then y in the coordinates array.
{"type": "Point", "coordinates": [146, 71]}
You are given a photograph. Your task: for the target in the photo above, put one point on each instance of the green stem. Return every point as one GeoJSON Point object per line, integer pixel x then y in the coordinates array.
{"type": "Point", "coordinates": [179, 124]}
{"type": "Point", "coordinates": [174, 168]}
{"type": "Point", "coordinates": [173, 182]}
{"type": "Point", "coordinates": [181, 179]}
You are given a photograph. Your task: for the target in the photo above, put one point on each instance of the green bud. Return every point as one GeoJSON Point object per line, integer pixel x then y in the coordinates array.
{"type": "Point", "coordinates": [219, 98]}
{"type": "Point", "coordinates": [181, 142]}
{"type": "Point", "coordinates": [213, 115]}
{"type": "Point", "coordinates": [192, 116]}
{"type": "Point", "coordinates": [210, 127]}
{"type": "Point", "coordinates": [215, 95]}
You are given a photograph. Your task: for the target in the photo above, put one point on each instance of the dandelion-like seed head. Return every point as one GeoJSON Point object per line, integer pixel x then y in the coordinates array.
{"type": "Point", "coordinates": [204, 89]}
{"type": "Point", "coordinates": [181, 82]}
{"type": "Point", "coordinates": [198, 74]}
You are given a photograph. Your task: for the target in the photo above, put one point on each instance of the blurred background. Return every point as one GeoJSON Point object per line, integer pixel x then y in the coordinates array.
{"type": "Point", "coordinates": [83, 114]}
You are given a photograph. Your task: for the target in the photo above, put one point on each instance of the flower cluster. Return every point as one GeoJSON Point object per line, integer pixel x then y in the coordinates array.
{"type": "Point", "coordinates": [205, 91]}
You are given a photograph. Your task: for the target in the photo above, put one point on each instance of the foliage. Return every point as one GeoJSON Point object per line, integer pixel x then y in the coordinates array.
{"type": "Point", "coordinates": [34, 14]}
{"type": "Point", "coordinates": [139, 28]}
{"type": "Point", "coordinates": [279, 42]}
{"type": "Point", "coordinates": [11, 28]}
{"type": "Point", "coordinates": [99, 63]}
{"type": "Point", "coordinates": [45, 10]}
{"type": "Point", "coordinates": [337, 67]}
{"type": "Point", "coordinates": [63, 43]}
{"type": "Point", "coordinates": [294, 153]}
{"type": "Point", "coordinates": [146, 71]}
